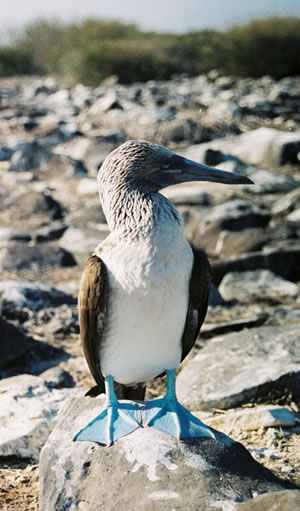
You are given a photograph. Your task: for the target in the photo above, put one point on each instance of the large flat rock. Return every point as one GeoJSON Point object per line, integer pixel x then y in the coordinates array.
{"type": "Point", "coordinates": [233, 369]}
{"type": "Point", "coordinates": [147, 470]}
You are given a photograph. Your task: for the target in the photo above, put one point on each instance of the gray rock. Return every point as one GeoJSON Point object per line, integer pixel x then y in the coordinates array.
{"type": "Point", "coordinates": [5, 153]}
{"type": "Point", "coordinates": [21, 353]}
{"type": "Point", "coordinates": [269, 182]}
{"type": "Point", "coordinates": [252, 419]}
{"type": "Point", "coordinates": [245, 286]}
{"type": "Point", "coordinates": [232, 243]}
{"type": "Point", "coordinates": [145, 470]}
{"type": "Point", "coordinates": [28, 409]}
{"type": "Point", "coordinates": [20, 294]}
{"type": "Point", "coordinates": [204, 228]}
{"type": "Point", "coordinates": [282, 259]}
{"type": "Point", "coordinates": [210, 330]}
{"type": "Point", "coordinates": [287, 203]}
{"type": "Point", "coordinates": [19, 256]}
{"type": "Point", "coordinates": [187, 194]}
{"type": "Point", "coordinates": [33, 207]}
{"type": "Point", "coordinates": [50, 232]}
{"type": "Point", "coordinates": [285, 500]}
{"type": "Point", "coordinates": [236, 368]}
{"type": "Point", "coordinates": [272, 147]}
{"type": "Point", "coordinates": [13, 342]}
{"type": "Point", "coordinates": [29, 156]}
{"type": "Point", "coordinates": [215, 297]}
{"type": "Point", "coordinates": [108, 102]}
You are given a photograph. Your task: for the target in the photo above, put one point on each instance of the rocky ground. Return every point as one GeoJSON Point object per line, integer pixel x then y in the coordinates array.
{"type": "Point", "coordinates": [243, 375]}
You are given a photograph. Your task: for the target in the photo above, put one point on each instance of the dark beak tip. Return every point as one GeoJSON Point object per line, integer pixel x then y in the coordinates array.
{"type": "Point", "coordinates": [248, 181]}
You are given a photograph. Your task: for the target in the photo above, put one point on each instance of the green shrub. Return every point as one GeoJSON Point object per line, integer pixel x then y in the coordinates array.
{"type": "Point", "coordinates": [93, 49]}
{"type": "Point", "coordinates": [15, 62]}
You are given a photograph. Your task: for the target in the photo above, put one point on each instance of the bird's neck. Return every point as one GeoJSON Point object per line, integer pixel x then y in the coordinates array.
{"type": "Point", "coordinates": [134, 213]}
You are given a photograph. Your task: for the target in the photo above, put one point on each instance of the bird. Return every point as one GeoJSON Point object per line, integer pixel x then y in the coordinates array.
{"type": "Point", "coordinates": [143, 292]}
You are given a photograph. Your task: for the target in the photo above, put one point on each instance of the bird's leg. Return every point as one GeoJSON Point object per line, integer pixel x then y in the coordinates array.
{"type": "Point", "coordinates": [116, 420]}
{"type": "Point", "coordinates": [169, 416]}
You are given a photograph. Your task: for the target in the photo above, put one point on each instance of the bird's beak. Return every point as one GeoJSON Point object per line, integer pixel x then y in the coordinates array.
{"type": "Point", "coordinates": [181, 170]}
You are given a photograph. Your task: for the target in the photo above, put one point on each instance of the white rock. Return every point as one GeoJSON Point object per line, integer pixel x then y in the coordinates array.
{"type": "Point", "coordinates": [28, 409]}
{"type": "Point", "coordinates": [248, 284]}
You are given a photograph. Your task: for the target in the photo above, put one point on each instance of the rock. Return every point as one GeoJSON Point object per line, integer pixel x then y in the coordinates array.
{"type": "Point", "coordinates": [13, 342]}
{"type": "Point", "coordinates": [246, 285]}
{"type": "Point", "coordinates": [21, 353]}
{"type": "Point", "coordinates": [232, 243]}
{"type": "Point", "coordinates": [269, 182]}
{"type": "Point", "coordinates": [50, 232]}
{"type": "Point", "coordinates": [215, 297]}
{"type": "Point", "coordinates": [251, 419]}
{"type": "Point", "coordinates": [210, 330]}
{"type": "Point", "coordinates": [187, 195]}
{"type": "Point", "coordinates": [33, 207]}
{"type": "Point", "coordinates": [221, 375]}
{"type": "Point", "coordinates": [145, 470]}
{"type": "Point", "coordinates": [19, 256]}
{"type": "Point", "coordinates": [282, 259]}
{"type": "Point", "coordinates": [29, 156]}
{"type": "Point", "coordinates": [28, 409]}
{"type": "Point", "coordinates": [5, 153]}
{"type": "Point", "coordinates": [272, 147]}
{"type": "Point", "coordinates": [204, 228]}
{"type": "Point", "coordinates": [17, 295]}
{"type": "Point", "coordinates": [287, 500]}
{"type": "Point", "coordinates": [108, 102]}
{"type": "Point", "coordinates": [287, 203]}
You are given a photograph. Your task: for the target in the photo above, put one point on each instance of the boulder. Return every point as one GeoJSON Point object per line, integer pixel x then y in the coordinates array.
{"type": "Point", "coordinates": [252, 419]}
{"type": "Point", "coordinates": [20, 256]}
{"type": "Point", "coordinates": [246, 285]}
{"type": "Point", "coordinates": [282, 259]}
{"type": "Point", "coordinates": [16, 295]}
{"type": "Point", "coordinates": [145, 470]}
{"type": "Point", "coordinates": [29, 156]}
{"type": "Point", "coordinates": [236, 368]}
{"type": "Point", "coordinates": [272, 147]}
{"type": "Point", "coordinates": [204, 228]}
{"type": "Point", "coordinates": [29, 405]}
{"type": "Point", "coordinates": [284, 500]}
{"type": "Point", "coordinates": [13, 342]}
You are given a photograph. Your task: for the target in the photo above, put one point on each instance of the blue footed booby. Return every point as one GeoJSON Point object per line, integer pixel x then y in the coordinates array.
{"type": "Point", "coordinates": [144, 292]}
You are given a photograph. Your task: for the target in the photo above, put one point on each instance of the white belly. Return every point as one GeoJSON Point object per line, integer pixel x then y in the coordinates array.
{"type": "Point", "coordinates": [147, 307]}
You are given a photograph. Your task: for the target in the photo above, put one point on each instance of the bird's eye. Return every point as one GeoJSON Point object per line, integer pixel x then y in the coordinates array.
{"type": "Point", "coordinates": [166, 165]}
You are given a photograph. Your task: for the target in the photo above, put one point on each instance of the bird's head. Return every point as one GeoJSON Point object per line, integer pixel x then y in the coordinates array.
{"type": "Point", "coordinates": [142, 163]}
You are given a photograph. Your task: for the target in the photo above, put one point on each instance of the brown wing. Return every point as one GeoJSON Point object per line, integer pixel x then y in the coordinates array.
{"type": "Point", "coordinates": [92, 307]}
{"type": "Point", "coordinates": [92, 310]}
{"type": "Point", "coordinates": [199, 294]}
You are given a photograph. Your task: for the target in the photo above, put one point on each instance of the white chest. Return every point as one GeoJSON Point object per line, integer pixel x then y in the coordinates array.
{"type": "Point", "coordinates": [148, 300]}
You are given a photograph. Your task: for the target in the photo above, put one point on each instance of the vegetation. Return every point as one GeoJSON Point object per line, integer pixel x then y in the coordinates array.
{"type": "Point", "coordinates": [93, 49]}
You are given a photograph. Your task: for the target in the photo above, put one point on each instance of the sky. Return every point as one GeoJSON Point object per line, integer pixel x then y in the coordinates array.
{"type": "Point", "coordinates": [160, 15]}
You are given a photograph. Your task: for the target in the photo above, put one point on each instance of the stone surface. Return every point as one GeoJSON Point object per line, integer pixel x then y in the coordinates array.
{"type": "Point", "coordinates": [145, 470]}
{"type": "Point", "coordinates": [13, 342]}
{"type": "Point", "coordinates": [253, 419]}
{"type": "Point", "coordinates": [247, 285]}
{"type": "Point", "coordinates": [272, 147]}
{"type": "Point", "coordinates": [282, 259]}
{"type": "Point", "coordinates": [236, 368]}
{"type": "Point", "coordinates": [29, 405]}
{"type": "Point", "coordinates": [284, 500]}
{"type": "Point", "coordinates": [18, 295]}
{"type": "Point", "coordinates": [18, 256]}
{"type": "Point", "coordinates": [205, 227]}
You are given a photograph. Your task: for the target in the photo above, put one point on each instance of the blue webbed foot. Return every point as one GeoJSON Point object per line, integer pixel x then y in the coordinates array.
{"type": "Point", "coordinates": [172, 418]}
{"type": "Point", "coordinates": [116, 420]}
{"type": "Point", "coordinates": [169, 416]}
{"type": "Point", "coordinates": [113, 423]}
